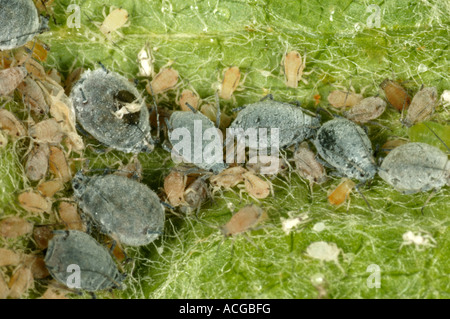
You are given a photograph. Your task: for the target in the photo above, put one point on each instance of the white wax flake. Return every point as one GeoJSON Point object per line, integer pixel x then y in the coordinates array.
{"type": "Point", "coordinates": [422, 68]}
{"type": "Point", "coordinates": [445, 97]}
{"type": "Point", "coordinates": [323, 251]}
{"type": "Point", "coordinates": [290, 223]}
{"type": "Point", "coordinates": [317, 279]}
{"type": "Point", "coordinates": [419, 240]}
{"type": "Point", "coordinates": [331, 15]}
{"type": "Point", "coordinates": [319, 227]}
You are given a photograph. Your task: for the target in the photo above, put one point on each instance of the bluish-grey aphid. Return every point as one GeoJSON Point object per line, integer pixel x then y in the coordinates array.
{"type": "Point", "coordinates": [294, 125]}
{"type": "Point", "coordinates": [110, 108]}
{"type": "Point", "coordinates": [415, 167]}
{"type": "Point", "coordinates": [195, 138]}
{"type": "Point", "coordinates": [123, 208]}
{"type": "Point", "coordinates": [72, 253]}
{"type": "Point", "coordinates": [345, 146]}
{"type": "Point", "coordinates": [19, 23]}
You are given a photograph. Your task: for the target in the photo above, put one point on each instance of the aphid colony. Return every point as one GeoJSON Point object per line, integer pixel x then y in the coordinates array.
{"type": "Point", "coordinates": [112, 110]}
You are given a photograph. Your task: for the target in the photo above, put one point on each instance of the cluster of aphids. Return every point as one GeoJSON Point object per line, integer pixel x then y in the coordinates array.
{"type": "Point", "coordinates": [110, 108]}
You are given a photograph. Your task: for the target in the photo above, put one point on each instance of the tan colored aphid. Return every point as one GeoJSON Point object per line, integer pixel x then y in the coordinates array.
{"type": "Point", "coordinates": [20, 282]}
{"type": "Point", "coordinates": [293, 68]}
{"type": "Point", "coordinates": [210, 111]}
{"type": "Point", "coordinates": [37, 266]}
{"type": "Point", "coordinates": [46, 131]}
{"type": "Point", "coordinates": [307, 165]}
{"type": "Point", "coordinates": [69, 215]}
{"type": "Point", "coordinates": [189, 97]}
{"type": "Point", "coordinates": [3, 139]}
{"type": "Point", "coordinates": [266, 165]}
{"type": "Point", "coordinates": [53, 293]}
{"type": "Point", "coordinates": [196, 193]}
{"type": "Point", "coordinates": [34, 202]}
{"type": "Point", "coordinates": [391, 144]}
{"type": "Point", "coordinates": [71, 79]}
{"type": "Point", "coordinates": [11, 78]}
{"type": "Point", "coordinates": [55, 76]}
{"type": "Point", "coordinates": [39, 49]}
{"type": "Point", "coordinates": [396, 94]}
{"type": "Point", "coordinates": [4, 289]}
{"type": "Point", "coordinates": [10, 124]}
{"type": "Point", "coordinates": [230, 82]}
{"type": "Point", "coordinates": [50, 188]}
{"type": "Point", "coordinates": [131, 170]}
{"type": "Point", "coordinates": [33, 96]}
{"type": "Point", "coordinates": [145, 60]}
{"type": "Point", "coordinates": [340, 99]}
{"type": "Point", "coordinates": [32, 66]}
{"type": "Point", "coordinates": [37, 162]}
{"type": "Point", "coordinates": [341, 192]}
{"type": "Point", "coordinates": [366, 110]}
{"type": "Point", "coordinates": [255, 186]}
{"type": "Point", "coordinates": [8, 257]}
{"type": "Point", "coordinates": [229, 177]}
{"type": "Point", "coordinates": [13, 227]}
{"type": "Point", "coordinates": [244, 220]}
{"type": "Point", "coordinates": [41, 236]}
{"type": "Point", "coordinates": [174, 185]}
{"type": "Point", "coordinates": [62, 110]}
{"type": "Point", "coordinates": [422, 106]}
{"type": "Point", "coordinates": [58, 164]}
{"type": "Point", "coordinates": [165, 80]}
{"type": "Point", "coordinates": [115, 20]}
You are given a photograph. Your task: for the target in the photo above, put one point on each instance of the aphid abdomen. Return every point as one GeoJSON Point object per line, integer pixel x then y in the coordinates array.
{"type": "Point", "coordinates": [346, 147]}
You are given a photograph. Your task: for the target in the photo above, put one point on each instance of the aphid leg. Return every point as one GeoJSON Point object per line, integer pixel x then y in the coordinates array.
{"type": "Point", "coordinates": [364, 197]}
{"type": "Point", "coordinates": [167, 205]}
{"type": "Point", "coordinates": [324, 163]}
{"type": "Point", "coordinates": [85, 100]}
{"type": "Point", "coordinates": [218, 110]}
{"type": "Point", "coordinates": [433, 192]}
{"type": "Point", "coordinates": [319, 108]}
{"type": "Point", "coordinates": [168, 125]}
{"type": "Point", "coordinates": [251, 241]}
{"type": "Point", "coordinates": [237, 109]}
{"type": "Point", "coordinates": [155, 108]}
{"type": "Point", "coordinates": [380, 125]}
{"type": "Point", "coordinates": [268, 96]}
{"type": "Point", "coordinates": [103, 67]}
{"type": "Point", "coordinates": [190, 107]}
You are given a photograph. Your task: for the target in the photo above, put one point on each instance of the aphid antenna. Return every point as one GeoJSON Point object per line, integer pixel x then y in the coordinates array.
{"type": "Point", "coordinates": [216, 95]}
{"type": "Point", "coordinates": [169, 126]}
{"type": "Point", "coordinates": [432, 131]}
{"type": "Point", "coordinates": [167, 205]}
{"type": "Point", "coordinates": [155, 108]}
{"type": "Point", "coordinates": [380, 125]}
{"type": "Point", "coordinates": [364, 197]}
{"type": "Point", "coordinates": [48, 13]}
{"type": "Point", "coordinates": [319, 108]}
{"type": "Point", "coordinates": [103, 66]}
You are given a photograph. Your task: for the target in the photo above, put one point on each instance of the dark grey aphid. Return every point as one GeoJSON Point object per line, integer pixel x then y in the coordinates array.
{"type": "Point", "coordinates": [211, 149]}
{"type": "Point", "coordinates": [293, 124]}
{"type": "Point", "coordinates": [97, 97]}
{"type": "Point", "coordinates": [345, 146]}
{"type": "Point", "coordinates": [19, 23]}
{"type": "Point", "coordinates": [98, 270]}
{"type": "Point", "coordinates": [127, 210]}
{"type": "Point", "coordinates": [415, 167]}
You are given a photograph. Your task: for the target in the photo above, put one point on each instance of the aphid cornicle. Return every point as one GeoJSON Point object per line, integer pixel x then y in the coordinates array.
{"type": "Point", "coordinates": [346, 147]}
{"type": "Point", "coordinates": [135, 219]}
{"type": "Point", "coordinates": [19, 23]}
{"type": "Point", "coordinates": [415, 167]}
{"type": "Point", "coordinates": [205, 149]}
{"type": "Point", "coordinates": [96, 97]}
{"type": "Point", "coordinates": [97, 269]}
{"type": "Point", "coordinates": [293, 124]}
